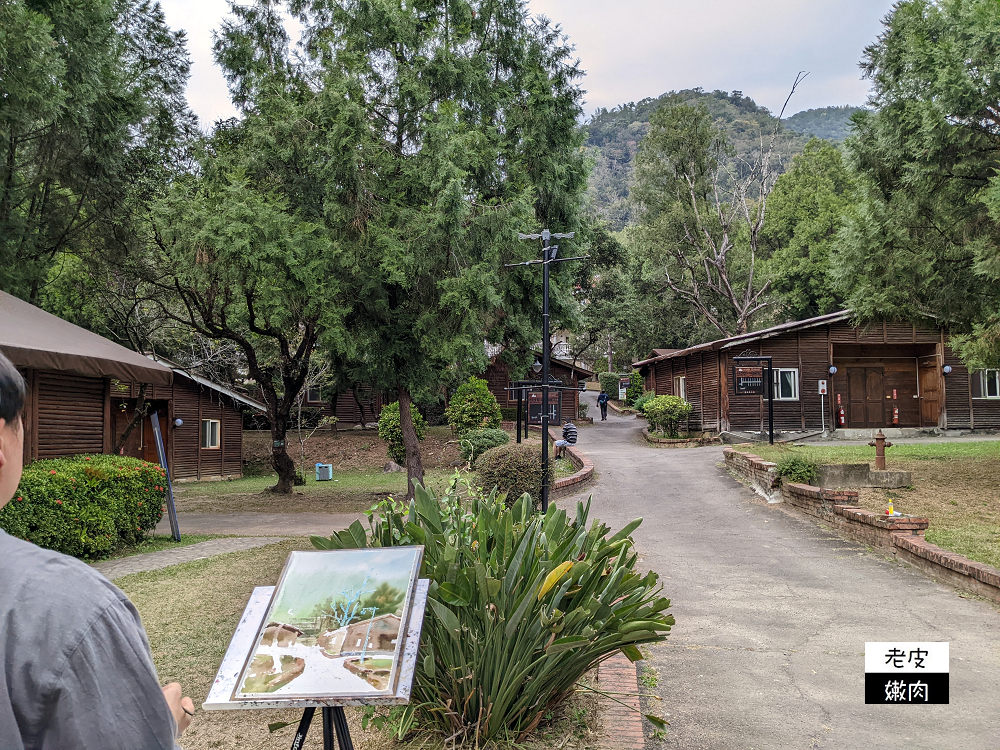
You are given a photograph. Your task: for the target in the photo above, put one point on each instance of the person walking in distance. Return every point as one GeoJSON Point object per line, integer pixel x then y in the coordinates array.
{"type": "Point", "coordinates": [568, 439]}
{"type": "Point", "coordinates": [602, 401]}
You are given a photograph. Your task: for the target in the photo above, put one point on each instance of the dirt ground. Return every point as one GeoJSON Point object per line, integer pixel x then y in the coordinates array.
{"type": "Point", "coordinates": [353, 449]}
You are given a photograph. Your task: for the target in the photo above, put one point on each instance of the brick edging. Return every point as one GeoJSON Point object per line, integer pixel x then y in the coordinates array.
{"type": "Point", "coordinates": [901, 536]}
{"type": "Point", "coordinates": [621, 727]}
{"type": "Point", "coordinates": [680, 442]}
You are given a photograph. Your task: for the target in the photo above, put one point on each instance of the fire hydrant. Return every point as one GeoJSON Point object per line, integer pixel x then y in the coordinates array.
{"type": "Point", "coordinates": [880, 444]}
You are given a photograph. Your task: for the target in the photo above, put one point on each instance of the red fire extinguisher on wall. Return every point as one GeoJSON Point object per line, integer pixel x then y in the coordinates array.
{"type": "Point", "coordinates": [841, 417]}
{"type": "Point", "coordinates": [895, 414]}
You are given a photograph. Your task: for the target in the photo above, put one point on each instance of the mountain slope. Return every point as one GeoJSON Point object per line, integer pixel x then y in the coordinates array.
{"type": "Point", "coordinates": [613, 136]}
{"type": "Point", "coordinates": [830, 123]}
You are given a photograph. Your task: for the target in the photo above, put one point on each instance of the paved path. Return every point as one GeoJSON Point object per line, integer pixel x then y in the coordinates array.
{"type": "Point", "coordinates": [113, 569]}
{"type": "Point", "coordinates": [262, 524]}
{"type": "Point", "coordinates": [773, 613]}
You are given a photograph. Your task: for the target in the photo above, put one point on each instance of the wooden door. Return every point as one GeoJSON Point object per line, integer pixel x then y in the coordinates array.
{"type": "Point", "coordinates": [930, 392]}
{"type": "Point", "coordinates": [149, 452]}
{"type": "Point", "coordinates": [865, 395]}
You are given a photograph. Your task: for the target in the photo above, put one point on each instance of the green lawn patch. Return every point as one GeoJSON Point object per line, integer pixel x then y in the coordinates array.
{"type": "Point", "coordinates": [859, 454]}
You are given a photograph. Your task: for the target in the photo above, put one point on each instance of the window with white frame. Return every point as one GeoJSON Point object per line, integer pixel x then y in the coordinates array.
{"type": "Point", "coordinates": [210, 432]}
{"type": "Point", "coordinates": [986, 384]}
{"type": "Point", "coordinates": [680, 386]}
{"type": "Point", "coordinates": [786, 384]}
{"type": "Point", "coordinates": [313, 395]}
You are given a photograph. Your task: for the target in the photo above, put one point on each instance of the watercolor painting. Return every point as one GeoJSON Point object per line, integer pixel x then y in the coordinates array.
{"type": "Point", "coordinates": [334, 626]}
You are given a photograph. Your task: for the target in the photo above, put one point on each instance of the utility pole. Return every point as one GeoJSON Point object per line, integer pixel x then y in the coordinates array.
{"type": "Point", "coordinates": [549, 253]}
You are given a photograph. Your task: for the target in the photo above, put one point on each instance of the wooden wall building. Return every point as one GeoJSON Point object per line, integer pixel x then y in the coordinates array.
{"type": "Point", "coordinates": [83, 389]}
{"type": "Point", "coordinates": [499, 377]}
{"type": "Point", "coordinates": [880, 368]}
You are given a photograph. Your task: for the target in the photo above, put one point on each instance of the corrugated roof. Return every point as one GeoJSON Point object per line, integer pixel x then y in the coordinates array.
{"type": "Point", "coordinates": [747, 338]}
{"type": "Point", "coordinates": [33, 338]}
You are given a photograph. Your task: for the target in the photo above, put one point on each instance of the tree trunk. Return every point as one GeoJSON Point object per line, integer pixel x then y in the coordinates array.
{"type": "Point", "coordinates": [141, 407]}
{"type": "Point", "coordinates": [281, 462]}
{"type": "Point", "coordinates": [414, 465]}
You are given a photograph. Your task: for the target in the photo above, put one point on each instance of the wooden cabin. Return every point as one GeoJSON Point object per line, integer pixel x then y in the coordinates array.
{"type": "Point", "coordinates": [83, 389]}
{"type": "Point", "coordinates": [499, 377]}
{"type": "Point", "coordinates": [359, 406]}
{"type": "Point", "coordinates": [888, 374]}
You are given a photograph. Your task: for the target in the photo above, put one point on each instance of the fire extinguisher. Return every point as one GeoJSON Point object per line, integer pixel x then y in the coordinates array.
{"type": "Point", "coordinates": [895, 414]}
{"type": "Point", "coordinates": [841, 417]}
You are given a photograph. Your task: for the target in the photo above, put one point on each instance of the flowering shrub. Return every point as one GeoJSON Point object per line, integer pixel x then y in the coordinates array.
{"type": "Point", "coordinates": [86, 506]}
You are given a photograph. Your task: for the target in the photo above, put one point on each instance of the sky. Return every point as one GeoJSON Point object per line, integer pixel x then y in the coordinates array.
{"type": "Point", "coordinates": [633, 49]}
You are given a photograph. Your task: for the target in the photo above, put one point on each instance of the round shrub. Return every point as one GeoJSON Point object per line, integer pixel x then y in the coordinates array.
{"type": "Point", "coordinates": [473, 407]}
{"type": "Point", "coordinates": [514, 469]}
{"type": "Point", "coordinates": [665, 413]}
{"type": "Point", "coordinates": [797, 469]}
{"type": "Point", "coordinates": [86, 506]}
{"type": "Point", "coordinates": [645, 398]}
{"type": "Point", "coordinates": [390, 431]}
{"type": "Point", "coordinates": [475, 443]}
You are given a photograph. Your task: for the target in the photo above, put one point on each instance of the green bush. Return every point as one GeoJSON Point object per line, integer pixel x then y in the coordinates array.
{"type": "Point", "coordinates": [665, 413]}
{"type": "Point", "coordinates": [520, 607]}
{"type": "Point", "coordinates": [797, 469]}
{"type": "Point", "coordinates": [581, 410]}
{"type": "Point", "coordinates": [640, 403]}
{"type": "Point", "coordinates": [634, 390]}
{"type": "Point", "coordinates": [390, 431]}
{"type": "Point", "coordinates": [609, 383]}
{"type": "Point", "coordinates": [473, 407]}
{"type": "Point", "coordinates": [475, 443]}
{"type": "Point", "coordinates": [514, 469]}
{"type": "Point", "coordinates": [508, 413]}
{"type": "Point", "coordinates": [86, 506]}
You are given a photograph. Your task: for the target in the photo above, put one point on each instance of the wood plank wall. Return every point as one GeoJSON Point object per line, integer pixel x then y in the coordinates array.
{"type": "Point", "coordinates": [70, 415]}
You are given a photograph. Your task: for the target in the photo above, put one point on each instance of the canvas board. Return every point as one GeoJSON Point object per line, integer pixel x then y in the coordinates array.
{"type": "Point", "coordinates": [334, 631]}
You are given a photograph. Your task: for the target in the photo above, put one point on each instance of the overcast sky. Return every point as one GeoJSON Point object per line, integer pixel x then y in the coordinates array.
{"type": "Point", "coordinates": [632, 49]}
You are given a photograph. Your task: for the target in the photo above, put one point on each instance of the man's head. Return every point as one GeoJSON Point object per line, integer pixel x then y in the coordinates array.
{"type": "Point", "coordinates": [12, 392]}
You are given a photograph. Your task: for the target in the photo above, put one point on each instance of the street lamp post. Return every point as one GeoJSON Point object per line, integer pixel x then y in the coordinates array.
{"type": "Point", "coordinates": [549, 253]}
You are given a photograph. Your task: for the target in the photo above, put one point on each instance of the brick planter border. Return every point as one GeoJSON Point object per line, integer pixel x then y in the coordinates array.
{"type": "Point", "coordinates": [691, 442]}
{"type": "Point", "coordinates": [621, 726]}
{"type": "Point", "coordinates": [583, 465]}
{"type": "Point", "coordinates": [901, 536]}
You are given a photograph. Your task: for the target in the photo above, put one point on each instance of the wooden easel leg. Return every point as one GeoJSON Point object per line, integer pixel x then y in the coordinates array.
{"type": "Point", "coordinates": [300, 733]}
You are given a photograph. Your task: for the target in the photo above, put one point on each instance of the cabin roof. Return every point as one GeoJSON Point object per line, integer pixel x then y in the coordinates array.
{"type": "Point", "coordinates": [747, 338]}
{"type": "Point", "coordinates": [33, 338]}
{"type": "Point", "coordinates": [178, 370]}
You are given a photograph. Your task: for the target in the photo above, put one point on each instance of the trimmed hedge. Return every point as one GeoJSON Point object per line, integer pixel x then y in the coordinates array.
{"type": "Point", "coordinates": [475, 443]}
{"type": "Point", "coordinates": [86, 506]}
{"type": "Point", "coordinates": [645, 398]}
{"type": "Point", "coordinates": [508, 413]}
{"type": "Point", "coordinates": [514, 469]}
{"type": "Point", "coordinates": [609, 383]}
{"type": "Point", "coordinates": [473, 407]}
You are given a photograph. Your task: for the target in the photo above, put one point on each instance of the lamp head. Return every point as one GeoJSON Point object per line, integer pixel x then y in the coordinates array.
{"type": "Point", "coordinates": [537, 367]}
{"type": "Point", "coordinates": [833, 370]}
{"type": "Point", "coordinates": [178, 422]}
{"type": "Point", "coordinates": [946, 369]}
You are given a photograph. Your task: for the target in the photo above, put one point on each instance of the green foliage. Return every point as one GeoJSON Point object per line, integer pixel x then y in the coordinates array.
{"type": "Point", "coordinates": [473, 407]}
{"type": "Point", "coordinates": [514, 469]}
{"type": "Point", "coordinates": [797, 469]}
{"type": "Point", "coordinates": [86, 506]}
{"type": "Point", "coordinates": [390, 431]}
{"type": "Point", "coordinates": [665, 413]}
{"type": "Point", "coordinates": [829, 123]}
{"type": "Point", "coordinates": [520, 606]}
{"type": "Point", "coordinates": [609, 383]}
{"type": "Point", "coordinates": [804, 214]}
{"type": "Point", "coordinates": [923, 239]}
{"type": "Point", "coordinates": [612, 136]}
{"type": "Point", "coordinates": [634, 390]}
{"type": "Point", "coordinates": [475, 443]}
{"type": "Point", "coordinates": [640, 403]}
{"type": "Point", "coordinates": [508, 413]}
{"type": "Point", "coordinates": [582, 410]}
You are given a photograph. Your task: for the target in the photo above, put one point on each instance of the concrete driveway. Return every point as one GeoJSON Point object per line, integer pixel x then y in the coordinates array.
{"type": "Point", "coordinates": [773, 613]}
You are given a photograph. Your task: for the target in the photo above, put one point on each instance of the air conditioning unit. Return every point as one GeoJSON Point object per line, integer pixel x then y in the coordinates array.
{"type": "Point", "coordinates": [324, 472]}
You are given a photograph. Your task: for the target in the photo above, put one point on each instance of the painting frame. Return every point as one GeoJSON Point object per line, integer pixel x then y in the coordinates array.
{"type": "Point", "coordinates": [273, 635]}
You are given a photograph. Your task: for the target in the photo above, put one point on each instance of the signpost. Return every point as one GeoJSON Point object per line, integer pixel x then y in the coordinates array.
{"type": "Point", "coordinates": [822, 407]}
{"type": "Point", "coordinates": [623, 383]}
{"type": "Point", "coordinates": [756, 379]}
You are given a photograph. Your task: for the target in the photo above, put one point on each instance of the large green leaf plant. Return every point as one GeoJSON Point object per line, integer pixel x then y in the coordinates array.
{"type": "Point", "coordinates": [520, 606]}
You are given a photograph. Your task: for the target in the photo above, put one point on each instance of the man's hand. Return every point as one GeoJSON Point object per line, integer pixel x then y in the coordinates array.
{"type": "Point", "coordinates": [181, 708]}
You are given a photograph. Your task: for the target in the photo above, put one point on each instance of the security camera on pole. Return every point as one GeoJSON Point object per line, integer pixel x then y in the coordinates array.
{"type": "Point", "coordinates": [549, 253]}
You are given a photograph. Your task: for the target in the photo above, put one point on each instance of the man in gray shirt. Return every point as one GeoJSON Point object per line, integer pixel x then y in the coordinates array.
{"type": "Point", "coordinates": [75, 665]}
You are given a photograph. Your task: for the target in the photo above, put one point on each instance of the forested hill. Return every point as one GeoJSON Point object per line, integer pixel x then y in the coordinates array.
{"type": "Point", "coordinates": [614, 135]}
{"type": "Point", "coordinates": [831, 123]}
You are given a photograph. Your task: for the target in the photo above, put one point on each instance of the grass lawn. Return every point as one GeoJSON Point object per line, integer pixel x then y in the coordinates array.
{"type": "Point", "coordinates": [955, 485]}
{"type": "Point", "coordinates": [349, 492]}
{"type": "Point", "coordinates": [190, 612]}
{"type": "Point", "coordinates": [160, 542]}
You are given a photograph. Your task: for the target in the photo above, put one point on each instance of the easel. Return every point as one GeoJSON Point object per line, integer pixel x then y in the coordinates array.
{"type": "Point", "coordinates": [334, 722]}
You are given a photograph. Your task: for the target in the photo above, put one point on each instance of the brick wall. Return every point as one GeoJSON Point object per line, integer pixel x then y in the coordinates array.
{"type": "Point", "coordinates": [762, 475]}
